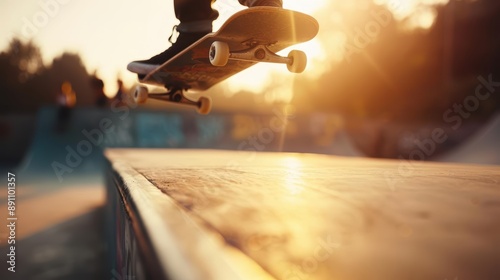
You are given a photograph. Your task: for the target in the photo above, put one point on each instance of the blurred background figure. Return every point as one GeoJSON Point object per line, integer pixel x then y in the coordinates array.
{"type": "Point", "coordinates": [120, 93]}
{"type": "Point", "coordinates": [66, 100]}
{"type": "Point", "coordinates": [101, 100]}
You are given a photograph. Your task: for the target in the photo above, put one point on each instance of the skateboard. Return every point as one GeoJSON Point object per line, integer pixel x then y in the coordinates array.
{"type": "Point", "coordinates": [248, 37]}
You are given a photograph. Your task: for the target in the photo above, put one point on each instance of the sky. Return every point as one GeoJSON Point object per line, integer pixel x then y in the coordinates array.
{"type": "Point", "coordinates": [109, 34]}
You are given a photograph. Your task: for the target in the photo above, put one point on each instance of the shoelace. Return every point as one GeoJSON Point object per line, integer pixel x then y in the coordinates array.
{"type": "Point", "coordinates": [174, 29]}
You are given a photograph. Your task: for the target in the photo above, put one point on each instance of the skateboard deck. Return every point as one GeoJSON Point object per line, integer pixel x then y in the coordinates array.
{"type": "Point", "coordinates": [274, 28]}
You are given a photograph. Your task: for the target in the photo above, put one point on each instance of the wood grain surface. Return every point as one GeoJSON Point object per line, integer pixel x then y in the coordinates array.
{"type": "Point", "coordinates": [243, 215]}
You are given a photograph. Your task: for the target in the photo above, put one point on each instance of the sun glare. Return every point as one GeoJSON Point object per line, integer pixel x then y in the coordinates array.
{"type": "Point", "coordinates": [419, 10]}
{"type": "Point", "coordinates": [274, 80]}
{"type": "Point", "coordinates": [277, 83]}
{"type": "Point", "coordinates": [294, 182]}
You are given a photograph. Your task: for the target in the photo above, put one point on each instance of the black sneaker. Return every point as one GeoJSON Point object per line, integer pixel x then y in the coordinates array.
{"type": "Point", "coordinates": [184, 40]}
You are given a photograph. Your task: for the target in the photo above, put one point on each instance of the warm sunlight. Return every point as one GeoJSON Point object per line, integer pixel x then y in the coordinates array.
{"type": "Point", "coordinates": [405, 8]}
{"type": "Point", "coordinates": [122, 31]}
{"type": "Point", "coordinates": [275, 81]}
{"type": "Point", "coordinates": [293, 179]}
{"type": "Point", "coordinates": [419, 12]}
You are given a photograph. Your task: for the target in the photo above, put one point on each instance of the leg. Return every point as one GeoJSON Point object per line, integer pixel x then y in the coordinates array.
{"type": "Point", "coordinates": [198, 15]}
{"type": "Point", "coordinates": [195, 15]}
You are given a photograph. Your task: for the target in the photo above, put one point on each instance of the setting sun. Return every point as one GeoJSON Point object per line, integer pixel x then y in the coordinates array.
{"type": "Point", "coordinates": [335, 18]}
{"type": "Point", "coordinates": [271, 79]}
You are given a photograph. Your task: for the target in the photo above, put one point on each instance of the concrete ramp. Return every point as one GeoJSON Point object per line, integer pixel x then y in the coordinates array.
{"type": "Point", "coordinates": [481, 148]}
{"type": "Point", "coordinates": [72, 148]}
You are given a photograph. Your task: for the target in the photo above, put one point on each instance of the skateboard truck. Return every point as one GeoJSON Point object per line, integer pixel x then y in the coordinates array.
{"type": "Point", "coordinates": [174, 95]}
{"type": "Point", "coordinates": [219, 55]}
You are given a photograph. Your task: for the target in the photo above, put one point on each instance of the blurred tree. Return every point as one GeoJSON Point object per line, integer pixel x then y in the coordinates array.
{"type": "Point", "coordinates": [18, 64]}
{"type": "Point", "coordinates": [399, 79]}
{"type": "Point", "coordinates": [26, 83]}
{"type": "Point", "coordinates": [25, 58]}
{"type": "Point", "coordinates": [394, 72]}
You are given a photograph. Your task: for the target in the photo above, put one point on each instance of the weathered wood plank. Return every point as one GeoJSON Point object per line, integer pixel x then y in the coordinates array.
{"type": "Point", "coordinates": [321, 217]}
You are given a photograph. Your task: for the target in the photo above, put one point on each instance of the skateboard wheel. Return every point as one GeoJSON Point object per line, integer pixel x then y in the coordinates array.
{"type": "Point", "coordinates": [298, 61]}
{"type": "Point", "coordinates": [219, 53]}
{"type": "Point", "coordinates": [140, 94]}
{"type": "Point", "coordinates": [204, 105]}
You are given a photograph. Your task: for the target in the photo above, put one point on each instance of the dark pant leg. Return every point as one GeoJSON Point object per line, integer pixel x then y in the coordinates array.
{"type": "Point", "coordinates": [194, 10]}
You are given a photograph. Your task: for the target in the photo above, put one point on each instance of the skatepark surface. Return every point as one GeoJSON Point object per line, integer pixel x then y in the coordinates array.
{"type": "Point", "coordinates": [62, 178]}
